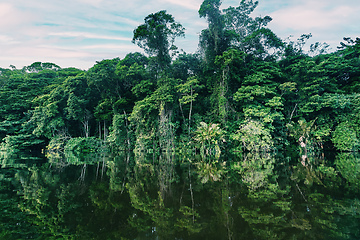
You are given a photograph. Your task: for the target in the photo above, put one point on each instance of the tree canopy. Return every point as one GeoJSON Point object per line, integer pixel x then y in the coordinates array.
{"type": "Point", "coordinates": [242, 78]}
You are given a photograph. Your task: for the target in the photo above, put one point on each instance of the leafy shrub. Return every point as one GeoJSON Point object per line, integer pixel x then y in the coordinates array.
{"type": "Point", "coordinates": [83, 145]}
{"type": "Point", "coordinates": [253, 136]}
{"type": "Point", "coordinates": [344, 137]}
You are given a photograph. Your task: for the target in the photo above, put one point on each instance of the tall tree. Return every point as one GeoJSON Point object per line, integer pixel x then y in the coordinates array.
{"type": "Point", "coordinates": [215, 39]}
{"type": "Point", "coordinates": [157, 35]}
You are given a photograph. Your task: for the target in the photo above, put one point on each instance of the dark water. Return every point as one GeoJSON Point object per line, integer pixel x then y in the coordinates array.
{"type": "Point", "coordinates": [180, 196]}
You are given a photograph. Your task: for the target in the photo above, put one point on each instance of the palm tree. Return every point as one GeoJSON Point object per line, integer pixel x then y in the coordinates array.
{"type": "Point", "coordinates": [209, 137]}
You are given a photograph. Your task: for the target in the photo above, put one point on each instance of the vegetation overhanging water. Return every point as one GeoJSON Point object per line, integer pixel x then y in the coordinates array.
{"type": "Point", "coordinates": [230, 142]}
{"type": "Point", "coordinates": [180, 196]}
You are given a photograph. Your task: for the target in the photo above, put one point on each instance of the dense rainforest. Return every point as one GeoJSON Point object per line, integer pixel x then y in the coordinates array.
{"type": "Point", "coordinates": [244, 90]}
{"type": "Point", "coordinates": [250, 137]}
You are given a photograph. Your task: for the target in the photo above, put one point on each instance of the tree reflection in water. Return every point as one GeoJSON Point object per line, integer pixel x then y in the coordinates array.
{"type": "Point", "coordinates": [181, 196]}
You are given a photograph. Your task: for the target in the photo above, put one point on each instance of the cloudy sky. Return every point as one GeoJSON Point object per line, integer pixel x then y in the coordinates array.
{"type": "Point", "coordinates": [76, 33]}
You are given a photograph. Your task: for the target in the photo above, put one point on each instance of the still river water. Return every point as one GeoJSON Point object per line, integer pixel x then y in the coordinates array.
{"type": "Point", "coordinates": [182, 196]}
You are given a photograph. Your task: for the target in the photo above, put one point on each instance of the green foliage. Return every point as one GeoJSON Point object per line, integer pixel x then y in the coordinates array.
{"type": "Point", "coordinates": [88, 199]}
{"type": "Point", "coordinates": [210, 171]}
{"type": "Point", "coordinates": [344, 137]}
{"type": "Point", "coordinates": [209, 137]}
{"type": "Point", "coordinates": [189, 92]}
{"type": "Point", "coordinates": [120, 137]}
{"type": "Point", "coordinates": [214, 40]}
{"type": "Point", "coordinates": [187, 220]}
{"type": "Point", "coordinates": [83, 145]}
{"type": "Point", "coordinates": [186, 65]}
{"type": "Point", "coordinates": [244, 85]}
{"type": "Point", "coordinates": [348, 164]}
{"type": "Point", "coordinates": [21, 142]}
{"type": "Point", "coordinates": [13, 224]}
{"type": "Point", "coordinates": [253, 136]}
{"type": "Point", "coordinates": [256, 171]}
{"type": "Point", "coordinates": [243, 76]}
{"type": "Point", "coordinates": [18, 89]}
{"type": "Point", "coordinates": [157, 35]}
{"type": "Point", "coordinates": [153, 207]}
{"type": "Point", "coordinates": [305, 135]}
{"type": "Point", "coordinates": [235, 28]}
